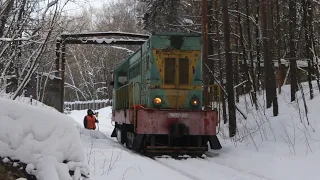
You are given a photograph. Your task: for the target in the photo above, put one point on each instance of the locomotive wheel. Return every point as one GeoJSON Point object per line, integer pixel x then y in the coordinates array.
{"type": "Point", "coordinates": [118, 131]}
{"type": "Point", "coordinates": [121, 135]}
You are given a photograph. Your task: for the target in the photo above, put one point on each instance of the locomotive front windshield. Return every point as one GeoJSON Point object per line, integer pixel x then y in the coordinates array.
{"type": "Point", "coordinates": [181, 65]}
{"type": "Point", "coordinates": [170, 66]}
{"type": "Point", "coordinates": [183, 71]}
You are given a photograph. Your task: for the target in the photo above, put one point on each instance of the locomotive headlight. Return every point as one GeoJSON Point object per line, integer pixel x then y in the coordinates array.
{"type": "Point", "coordinates": [157, 101]}
{"type": "Point", "coordinates": [194, 102]}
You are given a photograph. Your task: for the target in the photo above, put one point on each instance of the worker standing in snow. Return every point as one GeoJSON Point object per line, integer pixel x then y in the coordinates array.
{"type": "Point", "coordinates": [89, 121]}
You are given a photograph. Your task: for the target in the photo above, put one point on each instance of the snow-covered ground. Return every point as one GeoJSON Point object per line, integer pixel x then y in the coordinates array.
{"type": "Point", "coordinates": [282, 147]}
{"type": "Point", "coordinates": [266, 147]}
{"type": "Point", "coordinates": [42, 138]}
{"type": "Point", "coordinates": [108, 159]}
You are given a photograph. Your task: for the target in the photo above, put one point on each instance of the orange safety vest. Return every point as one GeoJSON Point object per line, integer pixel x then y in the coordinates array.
{"type": "Point", "coordinates": [91, 122]}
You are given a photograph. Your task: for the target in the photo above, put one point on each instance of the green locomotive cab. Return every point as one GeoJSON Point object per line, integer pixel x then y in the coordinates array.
{"type": "Point", "coordinates": [164, 73]}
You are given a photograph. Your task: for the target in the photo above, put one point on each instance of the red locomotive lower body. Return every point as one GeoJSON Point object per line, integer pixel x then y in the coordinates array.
{"type": "Point", "coordinates": [160, 132]}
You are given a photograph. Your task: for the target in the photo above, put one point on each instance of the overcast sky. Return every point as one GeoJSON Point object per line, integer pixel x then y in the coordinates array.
{"type": "Point", "coordinates": [75, 6]}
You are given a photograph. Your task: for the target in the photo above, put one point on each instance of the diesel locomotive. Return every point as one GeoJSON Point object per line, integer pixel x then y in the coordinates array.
{"type": "Point", "coordinates": [158, 99]}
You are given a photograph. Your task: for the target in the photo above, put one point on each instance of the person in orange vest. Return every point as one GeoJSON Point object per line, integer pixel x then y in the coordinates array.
{"type": "Point", "coordinates": [89, 121]}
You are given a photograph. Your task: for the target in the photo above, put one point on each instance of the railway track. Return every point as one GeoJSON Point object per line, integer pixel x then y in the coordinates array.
{"type": "Point", "coordinates": [212, 155]}
{"type": "Point", "coordinates": [184, 173]}
{"type": "Point", "coordinates": [193, 175]}
{"type": "Point", "coordinates": [192, 172]}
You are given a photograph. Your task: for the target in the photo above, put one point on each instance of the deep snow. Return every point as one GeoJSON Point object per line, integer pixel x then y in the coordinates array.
{"type": "Point", "coordinates": [266, 147]}
{"type": "Point", "coordinates": [42, 138]}
{"type": "Point", "coordinates": [282, 147]}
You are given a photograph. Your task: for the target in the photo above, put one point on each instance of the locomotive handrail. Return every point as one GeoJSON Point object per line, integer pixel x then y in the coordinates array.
{"type": "Point", "coordinates": [134, 85]}
{"type": "Point", "coordinates": [134, 104]}
{"type": "Point", "coordinates": [124, 86]}
{"type": "Point", "coordinates": [130, 94]}
{"type": "Point", "coordinates": [219, 106]}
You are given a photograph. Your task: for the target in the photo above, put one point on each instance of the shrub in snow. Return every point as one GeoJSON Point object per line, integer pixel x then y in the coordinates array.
{"type": "Point", "coordinates": [44, 139]}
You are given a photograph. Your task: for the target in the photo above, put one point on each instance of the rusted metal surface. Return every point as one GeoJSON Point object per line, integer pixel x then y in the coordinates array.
{"type": "Point", "coordinates": [151, 121]}
{"type": "Point", "coordinates": [62, 72]}
{"type": "Point", "coordinates": [57, 60]}
{"type": "Point", "coordinates": [123, 116]}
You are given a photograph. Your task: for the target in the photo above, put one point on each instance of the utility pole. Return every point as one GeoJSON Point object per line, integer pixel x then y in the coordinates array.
{"type": "Point", "coordinates": [205, 71]}
{"type": "Point", "coordinates": [62, 71]}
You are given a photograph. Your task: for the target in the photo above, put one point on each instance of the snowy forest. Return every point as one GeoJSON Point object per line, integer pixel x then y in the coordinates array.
{"type": "Point", "coordinates": [253, 45]}
{"type": "Point", "coordinates": [263, 55]}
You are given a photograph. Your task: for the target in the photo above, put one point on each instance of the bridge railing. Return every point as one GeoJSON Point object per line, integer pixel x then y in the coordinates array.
{"type": "Point", "coordinates": [83, 105]}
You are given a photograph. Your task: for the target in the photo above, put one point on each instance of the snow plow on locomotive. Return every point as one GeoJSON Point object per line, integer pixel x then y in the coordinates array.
{"type": "Point", "coordinates": [157, 98]}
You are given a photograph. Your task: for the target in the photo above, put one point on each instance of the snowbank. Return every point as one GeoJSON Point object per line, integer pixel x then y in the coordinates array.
{"type": "Point", "coordinates": [28, 100]}
{"type": "Point", "coordinates": [293, 132]}
{"type": "Point", "coordinates": [275, 147]}
{"type": "Point", "coordinates": [41, 138]}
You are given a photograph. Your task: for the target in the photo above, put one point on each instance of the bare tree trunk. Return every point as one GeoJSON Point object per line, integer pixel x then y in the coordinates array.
{"type": "Point", "coordinates": [205, 71]}
{"type": "Point", "coordinates": [293, 63]}
{"type": "Point", "coordinates": [308, 43]}
{"type": "Point", "coordinates": [72, 80]}
{"type": "Point", "coordinates": [224, 108]}
{"type": "Point", "coordinates": [279, 48]}
{"type": "Point", "coordinates": [273, 84]}
{"type": "Point", "coordinates": [236, 63]}
{"type": "Point", "coordinates": [253, 79]}
{"type": "Point", "coordinates": [210, 41]}
{"type": "Point", "coordinates": [258, 44]}
{"type": "Point", "coordinates": [311, 27]}
{"type": "Point", "coordinates": [34, 64]}
{"type": "Point", "coordinates": [245, 64]}
{"type": "Point", "coordinates": [229, 71]}
{"type": "Point", "coordinates": [4, 16]}
{"type": "Point", "coordinates": [266, 55]}
{"type": "Point", "coordinates": [212, 92]}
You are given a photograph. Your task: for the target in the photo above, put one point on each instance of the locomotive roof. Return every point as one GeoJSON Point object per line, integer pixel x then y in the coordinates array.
{"type": "Point", "coordinates": [174, 34]}
{"type": "Point", "coordinates": [157, 34]}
